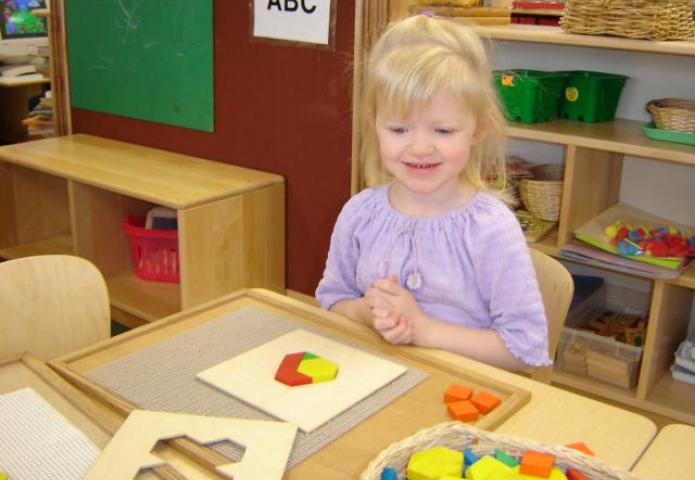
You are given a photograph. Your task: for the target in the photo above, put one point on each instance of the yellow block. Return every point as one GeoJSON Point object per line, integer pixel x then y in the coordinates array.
{"type": "Point", "coordinates": [489, 468]}
{"type": "Point", "coordinates": [435, 463]}
{"type": "Point", "coordinates": [319, 369]}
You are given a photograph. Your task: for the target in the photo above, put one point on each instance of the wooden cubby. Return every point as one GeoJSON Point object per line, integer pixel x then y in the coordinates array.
{"type": "Point", "coordinates": [71, 194]}
{"type": "Point", "coordinates": [593, 159]}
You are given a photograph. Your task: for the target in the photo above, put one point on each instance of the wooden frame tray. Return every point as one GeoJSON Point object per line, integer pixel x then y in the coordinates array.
{"type": "Point", "coordinates": [420, 407]}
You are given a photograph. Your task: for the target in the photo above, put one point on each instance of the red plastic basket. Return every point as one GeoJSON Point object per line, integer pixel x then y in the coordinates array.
{"type": "Point", "coordinates": [155, 253]}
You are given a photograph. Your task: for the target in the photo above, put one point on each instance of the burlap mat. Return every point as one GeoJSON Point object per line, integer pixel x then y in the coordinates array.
{"type": "Point", "coordinates": [162, 377]}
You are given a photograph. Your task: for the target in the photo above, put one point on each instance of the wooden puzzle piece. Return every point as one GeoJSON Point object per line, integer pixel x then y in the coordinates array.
{"type": "Point", "coordinates": [250, 377]}
{"type": "Point", "coordinates": [319, 369]}
{"type": "Point", "coordinates": [554, 474]}
{"type": "Point", "coordinates": [485, 402]}
{"type": "Point", "coordinates": [434, 463]}
{"type": "Point", "coordinates": [267, 445]}
{"type": "Point", "coordinates": [457, 392]}
{"type": "Point", "coordinates": [463, 411]}
{"type": "Point", "coordinates": [582, 447]}
{"type": "Point", "coordinates": [304, 368]}
{"type": "Point", "coordinates": [536, 463]}
{"type": "Point", "coordinates": [488, 468]}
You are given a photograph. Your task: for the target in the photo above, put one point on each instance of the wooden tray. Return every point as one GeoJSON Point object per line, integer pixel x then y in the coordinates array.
{"type": "Point", "coordinates": [346, 457]}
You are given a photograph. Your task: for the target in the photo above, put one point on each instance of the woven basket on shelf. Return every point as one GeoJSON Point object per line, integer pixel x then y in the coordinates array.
{"type": "Point", "coordinates": [649, 19]}
{"type": "Point", "coordinates": [673, 114]}
{"type": "Point", "coordinates": [541, 195]}
{"type": "Point", "coordinates": [457, 435]}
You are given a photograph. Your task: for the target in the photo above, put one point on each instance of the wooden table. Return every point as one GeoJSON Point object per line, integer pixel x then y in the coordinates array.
{"type": "Point", "coordinates": [670, 456]}
{"type": "Point", "coordinates": [551, 415]}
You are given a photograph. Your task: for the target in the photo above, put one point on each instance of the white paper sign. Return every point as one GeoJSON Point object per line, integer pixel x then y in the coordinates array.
{"type": "Point", "coordinates": [297, 20]}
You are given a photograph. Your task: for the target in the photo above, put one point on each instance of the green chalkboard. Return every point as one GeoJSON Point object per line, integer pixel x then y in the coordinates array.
{"type": "Point", "coordinates": [146, 59]}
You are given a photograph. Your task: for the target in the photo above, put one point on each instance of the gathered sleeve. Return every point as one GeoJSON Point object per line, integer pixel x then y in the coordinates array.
{"type": "Point", "coordinates": [507, 282]}
{"type": "Point", "coordinates": [339, 281]}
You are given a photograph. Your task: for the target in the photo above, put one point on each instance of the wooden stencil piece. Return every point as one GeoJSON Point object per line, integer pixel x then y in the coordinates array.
{"type": "Point", "coordinates": [250, 377]}
{"type": "Point", "coordinates": [267, 444]}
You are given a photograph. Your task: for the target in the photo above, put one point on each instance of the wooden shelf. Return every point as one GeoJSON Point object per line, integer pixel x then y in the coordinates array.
{"type": "Point", "coordinates": [58, 245]}
{"type": "Point", "coordinates": [555, 36]}
{"type": "Point", "coordinates": [139, 172]}
{"type": "Point", "coordinates": [673, 398]}
{"type": "Point", "coordinates": [621, 136]}
{"type": "Point", "coordinates": [141, 298]}
{"type": "Point", "coordinates": [540, 12]}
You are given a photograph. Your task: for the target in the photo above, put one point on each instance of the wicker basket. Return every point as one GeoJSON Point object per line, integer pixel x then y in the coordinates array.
{"type": "Point", "coordinates": [650, 19]}
{"type": "Point", "coordinates": [457, 435]}
{"type": "Point", "coordinates": [673, 114]}
{"type": "Point", "coordinates": [541, 195]}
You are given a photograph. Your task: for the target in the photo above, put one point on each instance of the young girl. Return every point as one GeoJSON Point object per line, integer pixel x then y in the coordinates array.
{"type": "Point", "coordinates": [434, 257]}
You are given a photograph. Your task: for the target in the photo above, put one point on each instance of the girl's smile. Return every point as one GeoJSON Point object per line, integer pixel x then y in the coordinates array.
{"type": "Point", "coordinates": [426, 153]}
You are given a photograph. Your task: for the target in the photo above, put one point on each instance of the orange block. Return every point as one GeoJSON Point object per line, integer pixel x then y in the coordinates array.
{"type": "Point", "coordinates": [573, 474]}
{"type": "Point", "coordinates": [581, 446]}
{"type": "Point", "coordinates": [462, 410]}
{"type": "Point", "coordinates": [457, 393]}
{"type": "Point", "coordinates": [485, 402]}
{"type": "Point", "coordinates": [537, 463]}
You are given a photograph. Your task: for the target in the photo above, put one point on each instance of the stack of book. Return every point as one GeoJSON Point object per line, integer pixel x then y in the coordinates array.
{"type": "Point", "coordinates": [40, 121]}
{"type": "Point", "coordinates": [592, 246]}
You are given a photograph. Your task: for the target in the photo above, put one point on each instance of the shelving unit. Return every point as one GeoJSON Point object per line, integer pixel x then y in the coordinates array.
{"type": "Point", "coordinates": [70, 195]}
{"type": "Point", "coordinates": [593, 165]}
{"type": "Point", "coordinates": [593, 158]}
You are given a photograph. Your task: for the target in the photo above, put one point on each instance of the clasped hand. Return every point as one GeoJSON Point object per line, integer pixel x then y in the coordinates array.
{"type": "Point", "coordinates": [395, 313]}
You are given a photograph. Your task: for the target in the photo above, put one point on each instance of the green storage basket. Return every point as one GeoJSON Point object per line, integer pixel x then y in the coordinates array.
{"type": "Point", "coordinates": [530, 96]}
{"type": "Point", "coordinates": [591, 96]}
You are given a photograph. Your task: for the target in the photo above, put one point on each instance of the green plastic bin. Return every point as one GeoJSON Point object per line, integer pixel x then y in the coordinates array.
{"type": "Point", "coordinates": [591, 96]}
{"type": "Point", "coordinates": [530, 96]}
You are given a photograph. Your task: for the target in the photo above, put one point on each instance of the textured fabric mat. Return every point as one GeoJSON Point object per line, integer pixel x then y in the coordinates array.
{"type": "Point", "coordinates": [37, 442]}
{"type": "Point", "coordinates": [162, 377]}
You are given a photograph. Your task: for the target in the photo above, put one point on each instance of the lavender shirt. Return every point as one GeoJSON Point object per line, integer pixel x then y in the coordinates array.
{"type": "Point", "coordinates": [470, 266]}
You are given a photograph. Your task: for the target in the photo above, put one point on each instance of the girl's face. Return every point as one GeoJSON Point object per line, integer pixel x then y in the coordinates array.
{"type": "Point", "coordinates": [427, 151]}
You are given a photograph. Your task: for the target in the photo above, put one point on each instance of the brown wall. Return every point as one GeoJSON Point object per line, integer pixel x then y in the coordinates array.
{"type": "Point", "coordinates": [281, 109]}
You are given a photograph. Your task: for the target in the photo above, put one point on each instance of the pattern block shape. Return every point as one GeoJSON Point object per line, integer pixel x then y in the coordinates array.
{"type": "Point", "coordinates": [303, 368]}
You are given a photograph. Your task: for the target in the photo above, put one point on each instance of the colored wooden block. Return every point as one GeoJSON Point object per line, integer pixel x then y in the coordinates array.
{"type": "Point", "coordinates": [488, 468]}
{"type": "Point", "coordinates": [457, 393]}
{"type": "Point", "coordinates": [485, 402]}
{"type": "Point", "coordinates": [291, 378]}
{"type": "Point", "coordinates": [434, 463]}
{"type": "Point", "coordinates": [582, 447]}
{"type": "Point", "coordinates": [573, 474]}
{"type": "Point", "coordinates": [555, 474]}
{"type": "Point", "coordinates": [389, 473]}
{"type": "Point", "coordinates": [463, 411]}
{"type": "Point", "coordinates": [506, 458]}
{"type": "Point", "coordinates": [319, 369]}
{"type": "Point", "coordinates": [537, 463]}
{"type": "Point", "coordinates": [469, 458]}
{"type": "Point", "coordinates": [450, 477]}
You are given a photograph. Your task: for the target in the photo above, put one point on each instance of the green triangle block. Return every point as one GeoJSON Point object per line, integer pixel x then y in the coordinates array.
{"type": "Point", "coordinates": [309, 356]}
{"type": "Point", "coordinates": [506, 459]}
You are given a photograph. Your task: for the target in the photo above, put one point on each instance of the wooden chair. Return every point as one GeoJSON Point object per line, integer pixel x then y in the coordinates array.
{"type": "Point", "coordinates": [556, 287]}
{"type": "Point", "coordinates": [51, 305]}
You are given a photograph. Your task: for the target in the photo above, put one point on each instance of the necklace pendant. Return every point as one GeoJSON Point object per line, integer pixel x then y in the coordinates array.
{"type": "Point", "coordinates": [413, 281]}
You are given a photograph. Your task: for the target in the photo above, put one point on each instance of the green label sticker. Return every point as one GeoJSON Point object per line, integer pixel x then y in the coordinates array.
{"type": "Point", "coordinates": [572, 94]}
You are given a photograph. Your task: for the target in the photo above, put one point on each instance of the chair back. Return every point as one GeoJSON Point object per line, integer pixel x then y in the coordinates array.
{"type": "Point", "coordinates": [556, 286]}
{"type": "Point", "coordinates": [51, 305]}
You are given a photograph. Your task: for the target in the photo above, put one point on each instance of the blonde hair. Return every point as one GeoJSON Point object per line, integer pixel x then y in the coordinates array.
{"type": "Point", "coordinates": [414, 59]}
